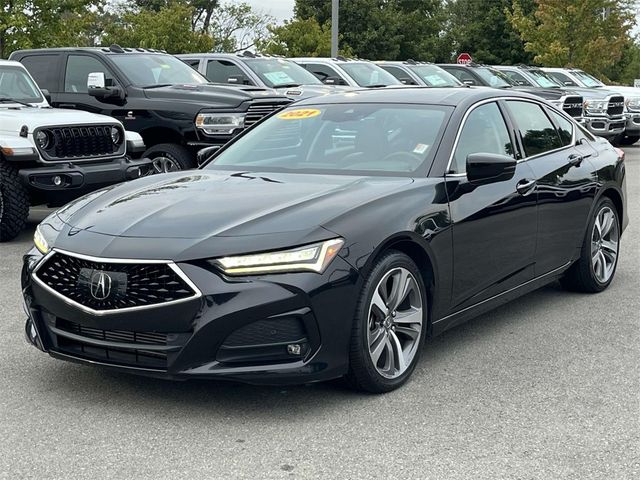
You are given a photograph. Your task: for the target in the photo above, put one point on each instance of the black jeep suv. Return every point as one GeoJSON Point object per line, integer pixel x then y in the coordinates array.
{"type": "Point", "coordinates": [174, 108]}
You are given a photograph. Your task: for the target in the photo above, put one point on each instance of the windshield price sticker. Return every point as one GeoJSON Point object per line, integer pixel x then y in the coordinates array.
{"type": "Point", "coordinates": [299, 114]}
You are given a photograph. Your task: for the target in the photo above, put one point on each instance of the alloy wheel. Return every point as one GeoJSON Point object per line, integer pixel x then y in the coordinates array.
{"type": "Point", "coordinates": [604, 244]}
{"type": "Point", "coordinates": [395, 322]}
{"type": "Point", "coordinates": [164, 164]}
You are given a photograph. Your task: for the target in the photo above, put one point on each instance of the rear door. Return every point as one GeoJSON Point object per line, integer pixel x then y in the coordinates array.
{"type": "Point", "coordinates": [566, 180]}
{"type": "Point", "coordinates": [45, 68]}
{"type": "Point", "coordinates": [494, 224]}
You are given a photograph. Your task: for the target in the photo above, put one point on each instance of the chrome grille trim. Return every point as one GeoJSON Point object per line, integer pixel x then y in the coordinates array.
{"type": "Point", "coordinates": [69, 301]}
{"type": "Point", "coordinates": [257, 111]}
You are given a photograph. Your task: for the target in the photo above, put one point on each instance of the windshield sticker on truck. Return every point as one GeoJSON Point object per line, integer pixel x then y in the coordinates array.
{"type": "Point", "coordinates": [278, 78]}
{"type": "Point", "coordinates": [299, 114]}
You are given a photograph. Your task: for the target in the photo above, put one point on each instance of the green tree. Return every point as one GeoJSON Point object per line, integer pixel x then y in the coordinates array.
{"type": "Point", "coordinates": [589, 34]}
{"type": "Point", "coordinates": [169, 28]}
{"type": "Point", "coordinates": [299, 38]}
{"type": "Point", "coordinates": [47, 23]}
{"type": "Point", "coordinates": [236, 27]}
{"type": "Point", "coordinates": [481, 28]}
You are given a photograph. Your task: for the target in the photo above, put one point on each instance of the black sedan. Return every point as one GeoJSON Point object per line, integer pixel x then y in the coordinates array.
{"type": "Point", "coordinates": [330, 240]}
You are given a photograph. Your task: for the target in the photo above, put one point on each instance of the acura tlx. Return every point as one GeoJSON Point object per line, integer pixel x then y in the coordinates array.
{"type": "Point", "coordinates": [329, 240]}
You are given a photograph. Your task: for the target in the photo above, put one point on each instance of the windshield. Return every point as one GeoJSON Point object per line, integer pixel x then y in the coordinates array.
{"type": "Point", "coordinates": [543, 80]}
{"type": "Point", "coordinates": [588, 80]}
{"type": "Point", "coordinates": [340, 138]}
{"type": "Point", "coordinates": [369, 75]}
{"type": "Point", "coordinates": [154, 69]}
{"type": "Point", "coordinates": [435, 76]}
{"type": "Point", "coordinates": [16, 84]}
{"type": "Point", "coordinates": [281, 73]}
{"type": "Point", "coordinates": [494, 78]}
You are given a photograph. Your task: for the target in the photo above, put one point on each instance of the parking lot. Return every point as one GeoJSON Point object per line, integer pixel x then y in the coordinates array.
{"type": "Point", "coordinates": [546, 387]}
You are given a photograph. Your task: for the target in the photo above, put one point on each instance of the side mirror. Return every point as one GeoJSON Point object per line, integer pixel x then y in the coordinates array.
{"type": "Point", "coordinates": [96, 87]}
{"type": "Point", "coordinates": [490, 167]}
{"type": "Point", "coordinates": [470, 82]}
{"type": "Point", "coordinates": [407, 81]}
{"type": "Point", "coordinates": [334, 81]}
{"type": "Point", "coordinates": [46, 95]}
{"type": "Point", "coordinates": [238, 80]}
{"type": "Point", "coordinates": [569, 83]}
{"type": "Point", "coordinates": [205, 154]}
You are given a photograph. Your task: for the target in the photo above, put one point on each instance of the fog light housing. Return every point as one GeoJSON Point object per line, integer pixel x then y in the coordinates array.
{"type": "Point", "coordinates": [294, 349]}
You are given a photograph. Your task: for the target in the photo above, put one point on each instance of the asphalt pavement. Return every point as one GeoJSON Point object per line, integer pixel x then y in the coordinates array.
{"type": "Point", "coordinates": [547, 387]}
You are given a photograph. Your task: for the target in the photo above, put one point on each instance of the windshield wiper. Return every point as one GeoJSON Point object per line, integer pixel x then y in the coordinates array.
{"type": "Point", "coordinates": [287, 85]}
{"type": "Point", "coordinates": [158, 85]}
{"type": "Point", "coordinates": [11, 100]}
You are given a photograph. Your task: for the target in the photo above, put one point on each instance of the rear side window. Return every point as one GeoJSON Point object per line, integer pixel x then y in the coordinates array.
{"type": "Point", "coordinates": [223, 71]}
{"type": "Point", "coordinates": [78, 69]}
{"type": "Point", "coordinates": [565, 128]}
{"type": "Point", "coordinates": [484, 131]}
{"type": "Point", "coordinates": [43, 69]}
{"type": "Point", "coordinates": [537, 132]}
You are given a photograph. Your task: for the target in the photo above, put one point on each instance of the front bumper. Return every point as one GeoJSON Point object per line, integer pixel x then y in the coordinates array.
{"type": "Point", "coordinates": [61, 183]}
{"type": "Point", "coordinates": [604, 126]}
{"type": "Point", "coordinates": [632, 124]}
{"type": "Point", "coordinates": [274, 329]}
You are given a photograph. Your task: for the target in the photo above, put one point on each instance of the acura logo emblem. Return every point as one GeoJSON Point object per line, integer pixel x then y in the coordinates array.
{"type": "Point", "coordinates": [100, 285]}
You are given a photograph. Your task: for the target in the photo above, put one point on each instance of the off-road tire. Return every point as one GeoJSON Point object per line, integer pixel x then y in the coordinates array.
{"type": "Point", "coordinates": [362, 374]}
{"type": "Point", "coordinates": [14, 203]}
{"type": "Point", "coordinates": [177, 154]}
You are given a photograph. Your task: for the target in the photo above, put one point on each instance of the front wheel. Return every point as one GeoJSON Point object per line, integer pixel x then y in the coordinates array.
{"type": "Point", "coordinates": [389, 327]}
{"type": "Point", "coordinates": [594, 270]}
{"type": "Point", "coordinates": [169, 157]}
{"type": "Point", "coordinates": [629, 139]}
{"type": "Point", "coordinates": [14, 203]}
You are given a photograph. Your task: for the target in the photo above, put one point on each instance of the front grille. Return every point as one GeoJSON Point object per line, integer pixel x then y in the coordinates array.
{"type": "Point", "coordinates": [82, 142]}
{"type": "Point", "coordinates": [112, 286]}
{"type": "Point", "coordinates": [616, 106]}
{"type": "Point", "coordinates": [137, 355]}
{"type": "Point", "coordinates": [264, 332]}
{"type": "Point", "coordinates": [573, 106]}
{"type": "Point", "coordinates": [257, 111]}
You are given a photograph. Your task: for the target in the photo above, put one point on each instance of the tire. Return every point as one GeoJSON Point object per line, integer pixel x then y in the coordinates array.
{"type": "Point", "coordinates": [14, 203]}
{"type": "Point", "coordinates": [629, 139]}
{"type": "Point", "coordinates": [387, 328]}
{"type": "Point", "coordinates": [169, 157]}
{"type": "Point", "coordinates": [596, 267]}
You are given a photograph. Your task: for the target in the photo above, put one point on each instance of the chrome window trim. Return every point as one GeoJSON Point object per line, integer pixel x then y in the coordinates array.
{"type": "Point", "coordinates": [73, 303]}
{"type": "Point", "coordinates": [497, 99]}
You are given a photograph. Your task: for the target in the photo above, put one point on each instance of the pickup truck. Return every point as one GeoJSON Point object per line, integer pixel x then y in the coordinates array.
{"type": "Point", "coordinates": [175, 109]}
{"type": "Point", "coordinates": [52, 156]}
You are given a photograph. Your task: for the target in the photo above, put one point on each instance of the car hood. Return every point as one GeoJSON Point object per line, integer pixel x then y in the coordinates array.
{"type": "Point", "coordinates": [212, 95]}
{"type": "Point", "coordinates": [184, 209]}
{"type": "Point", "coordinates": [12, 119]}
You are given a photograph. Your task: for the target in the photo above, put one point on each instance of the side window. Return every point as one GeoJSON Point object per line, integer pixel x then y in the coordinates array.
{"type": "Point", "coordinates": [78, 69]}
{"type": "Point", "coordinates": [43, 69]}
{"type": "Point", "coordinates": [484, 131]}
{"type": "Point", "coordinates": [518, 78]}
{"type": "Point", "coordinates": [463, 76]}
{"type": "Point", "coordinates": [400, 74]}
{"type": "Point", "coordinates": [224, 71]}
{"type": "Point", "coordinates": [192, 62]}
{"type": "Point", "coordinates": [565, 128]}
{"type": "Point", "coordinates": [323, 72]}
{"type": "Point", "coordinates": [563, 79]}
{"type": "Point", "coordinates": [537, 132]}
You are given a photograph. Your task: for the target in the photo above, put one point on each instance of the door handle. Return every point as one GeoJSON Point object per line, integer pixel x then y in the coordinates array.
{"type": "Point", "coordinates": [525, 186]}
{"type": "Point", "coordinates": [575, 159]}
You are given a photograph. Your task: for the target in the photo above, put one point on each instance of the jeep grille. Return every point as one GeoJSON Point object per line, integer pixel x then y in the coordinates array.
{"type": "Point", "coordinates": [83, 142]}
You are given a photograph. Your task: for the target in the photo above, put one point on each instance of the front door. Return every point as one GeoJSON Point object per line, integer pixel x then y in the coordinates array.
{"type": "Point", "coordinates": [494, 225]}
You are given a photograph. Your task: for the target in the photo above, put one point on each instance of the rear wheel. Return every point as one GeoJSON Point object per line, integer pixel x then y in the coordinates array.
{"type": "Point", "coordinates": [169, 157]}
{"type": "Point", "coordinates": [390, 325]}
{"type": "Point", "coordinates": [14, 203]}
{"type": "Point", "coordinates": [594, 270]}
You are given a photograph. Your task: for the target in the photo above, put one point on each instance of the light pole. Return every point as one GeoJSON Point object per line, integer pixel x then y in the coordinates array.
{"type": "Point", "coordinates": [334, 28]}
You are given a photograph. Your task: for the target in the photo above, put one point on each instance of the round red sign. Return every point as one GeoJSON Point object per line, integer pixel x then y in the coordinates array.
{"type": "Point", "coordinates": [464, 58]}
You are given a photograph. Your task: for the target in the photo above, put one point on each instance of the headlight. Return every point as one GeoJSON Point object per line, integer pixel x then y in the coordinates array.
{"type": "Point", "coordinates": [116, 136]}
{"type": "Point", "coordinates": [596, 106]}
{"type": "Point", "coordinates": [40, 242]}
{"type": "Point", "coordinates": [315, 258]}
{"type": "Point", "coordinates": [219, 123]}
{"type": "Point", "coordinates": [633, 103]}
{"type": "Point", "coordinates": [43, 139]}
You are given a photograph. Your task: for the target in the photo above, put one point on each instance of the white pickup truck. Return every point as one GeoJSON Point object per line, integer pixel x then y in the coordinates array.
{"type": "Point", "coordinates": [52, 156]}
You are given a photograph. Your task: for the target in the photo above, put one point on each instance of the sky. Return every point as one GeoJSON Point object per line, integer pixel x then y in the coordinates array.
{"type": "Point", "coordinates": [280, 9]}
